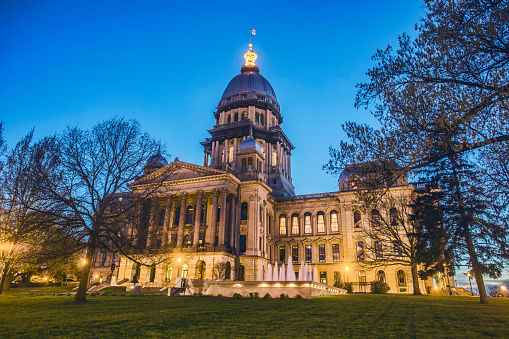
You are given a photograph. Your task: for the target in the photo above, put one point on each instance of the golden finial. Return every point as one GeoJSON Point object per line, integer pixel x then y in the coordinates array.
{"type": "Point", "coordinates": [250, 56]}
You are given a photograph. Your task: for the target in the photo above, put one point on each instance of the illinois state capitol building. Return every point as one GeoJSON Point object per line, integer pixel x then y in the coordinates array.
{"type": "Point", "coordinates": [236, 215]}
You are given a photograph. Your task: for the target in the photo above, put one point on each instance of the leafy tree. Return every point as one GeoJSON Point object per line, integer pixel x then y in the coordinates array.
{"type": "Point", "coordinates": [439, 98]}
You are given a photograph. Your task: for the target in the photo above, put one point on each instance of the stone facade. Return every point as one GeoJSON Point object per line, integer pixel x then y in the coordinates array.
{"type": "Point", "coordinates": [237, 213]}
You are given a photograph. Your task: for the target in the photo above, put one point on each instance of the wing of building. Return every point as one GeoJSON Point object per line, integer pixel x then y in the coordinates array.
{"type": "Point", "coordinates": [236, 215]}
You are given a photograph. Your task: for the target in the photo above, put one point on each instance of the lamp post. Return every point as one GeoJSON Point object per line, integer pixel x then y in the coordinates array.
{"type": "Point", "coordinates": [469, 275]}
{"type": "Point", "coordinates": [503, 289]}
{"type": "Point", "coordinates": [346, 274]}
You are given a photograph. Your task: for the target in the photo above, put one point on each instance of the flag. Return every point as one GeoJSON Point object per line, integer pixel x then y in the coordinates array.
{"type": "Point", "coordinates": [253, 31]}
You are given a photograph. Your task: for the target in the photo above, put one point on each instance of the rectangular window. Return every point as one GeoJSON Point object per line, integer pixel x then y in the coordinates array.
{"type": "Point", "coordinates": [282, 254]}
{"type": "Point", "coordinates": [282, 225]}
{"type": "Point", "coordinates": [335, 252]}
{"type": "Point", "coordinates": [295, 224]}
{"type": "Point", "coordinates": [334, 226]}
{"type": "Point", "coordinates": [295, 254]}
{"type": "Point", "coordinates": [320, 223]}
{"type": "Point", "coordinates": [378, 250]}
{"type": "Point", "coordinates": [323, 277]}
{"type": "Point", "coordinates": [360, 250]}
{"type": "Point", "coordinates": [308, 253]}
{"type": "Point", "coordinates": [307, 224]}
{"type": "Point", "coordinates": [321, 253]}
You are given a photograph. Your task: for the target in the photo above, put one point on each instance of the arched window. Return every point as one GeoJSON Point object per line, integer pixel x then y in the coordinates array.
{"type": "Point", "coordinates": [357, 220]}
{"type": "Point", "coordinates": [200, 269]}
{"type": "Point", "coordinates": [236, 117]}
{"type": "Point", "coordinates": [162, 214]}
{"type": "Point", "coordinates": [274, 158]}
{"type": "Point", "coordinates": [243, 211]}
{"type": "Point", "coordinates": [362, 277]}
{"type": "Point", "coordinates": [378, 250]}
{"type": "Point", "coordinates": [243, 116]}
{"type": "Point", "coordinates": [393, 212]}
{"type": "Point", "coordinates": [380, 276]}
{"type": "Point", "coordinates": [282, 224]}
{"type": "Point", "coordinates": [189, 215]}
{"type": "Point", "coordinates": [184, 271]}
{"type": "Point", "coordinates": [257, 118]}
{"type": "Point", "coordinates": [262, 120]}
{"type": "Point", "coordinates": [401, 278]}
{"type": "Point", "coordinates": [229, 118]}
{"type": "Point", "coordinates": [308, 229]}
{"type": "Point", "coordinates": [295, 223]}
{"type": "Point", "coordinates": [334, 226]}
{"type": "Point", "coordinates": [375, 219]}
{"type": "Point", "coordinates": [152, 273]}
{"type": "Point", "coordinates": [169, 271]}
{"type": "Point", "coordinates": [320, 222]}
{"type": "Point", "coordinates": [228, 271]}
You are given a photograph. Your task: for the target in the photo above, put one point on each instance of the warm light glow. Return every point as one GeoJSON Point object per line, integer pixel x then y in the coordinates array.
{"type": "Point", "coordinates": [277, 285]}
{"type": "Point", "coordinates": [179, 259]}
{"type": "Point", "coordinates": [250, 56]}
{"type": "Point", "coordinates": [306, 285]}
{"type": "Point", "coordinates": [503, 288]}
{"type": "Point", "coordinates": [347, 268]}
{"type": "Point", "coordinates": [263, 285]}
{"type": "Point", "coordinates": [45, 278]}
{"type": "Point", "coordinates": [469, 275]}
{"type": "Point", "coordinates": [291, 285]}
{"type": "Point", "coordinates": [83, 261]}
{"type": "Point", "coordinates": [96, 276]}
{"type": "Point", "coordinates": [237, 285]}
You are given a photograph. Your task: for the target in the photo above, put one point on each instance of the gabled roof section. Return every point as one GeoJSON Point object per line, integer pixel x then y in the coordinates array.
{"type": "Point", "coordinates": [177, 170]}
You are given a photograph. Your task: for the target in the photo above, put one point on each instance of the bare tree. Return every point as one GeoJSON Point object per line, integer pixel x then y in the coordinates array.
{"type": "Point", "coordinates": [29, 231]}
{"type": "Point", "coordinates": [89, 173]}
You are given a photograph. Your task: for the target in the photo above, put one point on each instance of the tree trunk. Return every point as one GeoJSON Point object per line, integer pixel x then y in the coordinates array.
{"type": "Point", "coordinates": [415, 278]}
{"type": "Point", "coordinates": [479, 280]}
{"type": "Point", "coordinates": [5, 272]}
{"type": "Point", "coordinates": [468, 237]}
{"type": "Point", "coordinates": [81, 294]}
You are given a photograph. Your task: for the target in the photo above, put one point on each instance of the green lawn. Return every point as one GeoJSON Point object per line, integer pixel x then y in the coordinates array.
{"type": "Point", "coordinates": [349, 316]}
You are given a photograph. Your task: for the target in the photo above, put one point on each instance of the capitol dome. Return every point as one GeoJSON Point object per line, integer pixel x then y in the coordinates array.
{"type": "Point", "coordinates": [249, 88]}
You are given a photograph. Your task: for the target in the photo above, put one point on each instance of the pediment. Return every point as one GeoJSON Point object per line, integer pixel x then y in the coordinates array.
{"type": "Point", "coordinates": [178, 170]}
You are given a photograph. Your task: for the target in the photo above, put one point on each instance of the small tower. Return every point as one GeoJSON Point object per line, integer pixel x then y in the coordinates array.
{"type": "Point", "coordinates": [250, 160]}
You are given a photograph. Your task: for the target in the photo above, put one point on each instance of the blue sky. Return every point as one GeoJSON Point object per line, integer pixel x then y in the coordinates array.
{"type": "Point", "coordinates": [167, 63]}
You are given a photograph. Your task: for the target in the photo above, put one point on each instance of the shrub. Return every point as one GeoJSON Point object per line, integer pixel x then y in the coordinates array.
{"type": "Point", "coordinates": [237, 296]}
{"type": "Point", "coordinates": [338, 284]}
{"type": "Point", "coordinates": [256, 295]}
{"type": "Point", "coordinates": [298, 296]}
{"type": "Point", "coordinates": [379, 287]}
{"type": "Point", "coordinates": [283, 296]}
{"type": "Point", "coordinates": [267, 296]}
{"type": "Point", "coordinates": [348, 287]}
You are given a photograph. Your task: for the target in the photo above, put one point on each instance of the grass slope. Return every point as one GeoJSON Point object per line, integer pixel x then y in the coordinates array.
{"type": "Point", "coordinates": [349, 316]}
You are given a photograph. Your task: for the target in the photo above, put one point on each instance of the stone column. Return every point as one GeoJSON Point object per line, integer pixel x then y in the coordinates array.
{"type": "Point", "coordinates": [211, 229]}
{"type": "Point", "coordinates": [212, 154]}
{"type": "Point", "coordinates": [166, 224]}
{"type": "Point", "coordinates": [233, 210]}
{"type": "Point", "coordinates": [152, 228]}
{"type": "Point", "coordinates": [182, 220]}
{"type": "Point", "coordinates": [278, 152]}
{"type": "Point", "coordinates": [237, 227]}
{"type": "Point", "coordinates": [222, 219]}
{"type": "Point", "coordinates": [235, 146]}
{"type": "Point", "coordinates": [197, 214]}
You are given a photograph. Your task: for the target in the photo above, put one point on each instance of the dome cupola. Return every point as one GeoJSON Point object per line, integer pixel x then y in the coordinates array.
{"type": "Point", "coordinates": [249, 88]}
{"type": "Point", "coordinates": [155, 162]}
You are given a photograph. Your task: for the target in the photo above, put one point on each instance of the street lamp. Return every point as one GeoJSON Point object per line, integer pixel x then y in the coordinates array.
{"type": "Point", "coordinates": [346, 269]}
{"type": "Point", "coordinates": [469, 275]}
{"type": "Point", "coordinates": [178, 267]}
